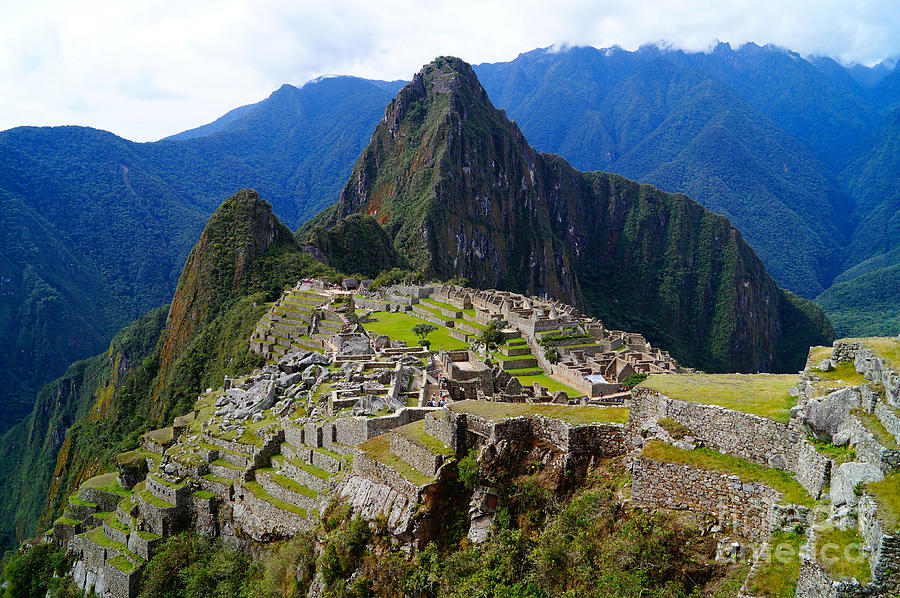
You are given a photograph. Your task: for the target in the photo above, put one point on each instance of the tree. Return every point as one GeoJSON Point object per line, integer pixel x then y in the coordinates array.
{"type": "Point", "coordinates": [491, 337]}
{"type": "Point", "coordinates": [423, 330]}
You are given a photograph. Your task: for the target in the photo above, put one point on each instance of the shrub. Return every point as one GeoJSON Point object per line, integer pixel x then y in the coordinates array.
{"type": "Point", "coordinates": [676, 429]}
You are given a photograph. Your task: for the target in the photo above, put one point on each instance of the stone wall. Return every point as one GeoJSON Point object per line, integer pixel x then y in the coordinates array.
{"type": "Point", "coordinates": [888, 418]}
{"type": "Point", "coordinates": [372, 499]}
{"type": "Point", "coordinates": [370, 304]}
{"type": "Point", "coordinates": [442, 425]}
{"type": "Point", "coordinates": [744, 506]}
{"type": "Point", "coordinates": [380, 473]}
{"type": "Point", "coordinates": [869, 450]}
{"type": "Point", "coordinates": [121, 584]}
{"type": "Point", "coordinates": [734, 433]}
{"type": "Point", "coordinates": [883, 548]}
{"type": "Point", "coordinates": [419, 457]}
{"type": "Point", "coordinates": [813, 469]}
{"type": "Point", "coordinates": [262, 520]}
{"type": "Point", "coordinates": [870, 365]}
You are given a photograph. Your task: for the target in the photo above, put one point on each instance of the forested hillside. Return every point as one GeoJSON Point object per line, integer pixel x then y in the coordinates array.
{"type": "Point", "coordinates": [94, 228]}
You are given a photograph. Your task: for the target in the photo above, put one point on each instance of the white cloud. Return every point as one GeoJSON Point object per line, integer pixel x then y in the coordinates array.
{"type": "Point", "coordinates": [144, 70]}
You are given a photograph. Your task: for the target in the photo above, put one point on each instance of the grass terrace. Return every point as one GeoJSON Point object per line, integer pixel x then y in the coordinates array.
{"type": "Point", "coordinates": [63, 520]}
{"type": "Point", "coordinates": [834, 546]}
{"type": "Point", "coordinates": [549, 383]}
{"type": "Point", "coordinates": [817, 354]}
{"type": "Point", "coordinates": [398, 326]}
{"type": "Point", "coordinates": [379, 449]}
{"type": "Point", "coordinates": [871, 423]}
{"type": "Point", "coordinates": [107, 482]}
{"type": "Point", "coordinates": [162, 436]}
{"type": "Point", "coordinates": [260, 493]}
{"type": "Point", "coordinates": [576, 415]}
{"type": "Point", "coordinates": [843, 375]}
{"type": "Point", "coordinates": [219, 480]}
{"type": "Point", "coordinates": [887, 347]}
{"type": "Point", "coordinates": [122, 564]}
{"type": "Point", "coordinates": [155, 500]}
{"type": "Point", "coordinates": [838, 454]}
{"type": "Point", "coordinates": [710, 460]}
{"type": "Point", "coordinates": [887, 495]}
{"type": "Point", "coordinates": [765, 395]}
{"type": "Point", "coordinates": [75, 500]}
{"type": "Point", "coordinates": [416, 433]}
{"type": "Point", "coordinates": [203, 494]}
{"type": "Point", "coordinates": [779, 570]}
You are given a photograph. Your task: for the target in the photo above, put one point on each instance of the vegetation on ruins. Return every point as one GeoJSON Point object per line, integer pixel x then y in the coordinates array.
{"type": "Point", "coordinates": [422, 331]}
{"type": "Point", "coordinates": [710, 460]}
{"type": "Point", "coordinates": [766, 395]}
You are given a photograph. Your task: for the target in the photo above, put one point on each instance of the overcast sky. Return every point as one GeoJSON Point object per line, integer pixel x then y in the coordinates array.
{"type": "Point", "coordinates": [145, 70]}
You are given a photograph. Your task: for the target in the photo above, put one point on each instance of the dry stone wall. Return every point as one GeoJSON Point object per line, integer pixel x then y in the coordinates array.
{"type": "Point", "coordinates": [744, 506]}
{"type": "Point", "coordinates": [734, 433]}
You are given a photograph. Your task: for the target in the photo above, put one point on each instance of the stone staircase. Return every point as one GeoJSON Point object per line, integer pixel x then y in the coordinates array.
{"type": "Point", "coordinates": [287, 325]}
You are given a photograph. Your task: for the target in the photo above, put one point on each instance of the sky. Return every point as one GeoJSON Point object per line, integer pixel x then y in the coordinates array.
{"type": "Point", "coordinates": [145, 70]}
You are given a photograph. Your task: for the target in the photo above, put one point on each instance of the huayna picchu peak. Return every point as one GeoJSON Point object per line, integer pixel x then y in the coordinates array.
{"type": "Point", "coordinates": [461, 193]}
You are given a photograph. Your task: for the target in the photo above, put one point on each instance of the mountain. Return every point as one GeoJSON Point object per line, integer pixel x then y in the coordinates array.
{"type": "Point", "coordinates": [94, 228]}
{"type": "Point", "coordinates": [460, 193]}
{"type": "Point", "coordinates": [153, 368]}
{"type": "Point", "coordinates": [689, 123]}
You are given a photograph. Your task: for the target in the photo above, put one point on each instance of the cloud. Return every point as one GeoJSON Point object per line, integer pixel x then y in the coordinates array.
{"type": "Point", "coordinates": [146, 69]}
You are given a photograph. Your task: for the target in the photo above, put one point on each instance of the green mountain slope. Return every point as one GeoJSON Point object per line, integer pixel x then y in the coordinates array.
{"type": "Point", "coordinates": [686, 123]}
{"type": "Point", "coordinates": [461, 193]}
{"type": "Point", "coordinates": [95, 228]}
{"type": "Point", "coordinates": [155, 368]}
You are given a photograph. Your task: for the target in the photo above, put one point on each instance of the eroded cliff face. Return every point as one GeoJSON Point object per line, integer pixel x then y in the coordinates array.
{"type": "Point", "coordinates": [461, 193]}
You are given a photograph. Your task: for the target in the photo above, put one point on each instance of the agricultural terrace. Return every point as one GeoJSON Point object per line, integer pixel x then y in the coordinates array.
{"type": "Point", "coordinates": [766, 395]}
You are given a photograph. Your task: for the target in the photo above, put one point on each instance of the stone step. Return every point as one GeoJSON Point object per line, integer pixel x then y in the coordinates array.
{"type": "Point", "coordinates": [225, 469]}
{"type": "Point", "coordinates": [286, 489]}
{"type": "Point", "coordinates": [303, 473]}
{"type": "Point", "coordinates": [419, 449]}
{"type": "Point", "coordinates": [258, 492]}
{"type": "Point", "coordinates": [220, 485]}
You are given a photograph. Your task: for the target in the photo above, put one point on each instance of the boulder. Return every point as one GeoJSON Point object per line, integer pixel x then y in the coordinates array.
{"type": "Point", "coordinates": [777, 461]}
{"type": "Point", "coordinates": [560, 397]}
{"type": "Point", "coordinates": [826, 416]}
{"type": "Point", "coordinates": [513, 387]}
{"type": "Point", "coordinates": [826, 365]}
{"type": "Point", "coordinates": [842, 438]}
{"type": "Point", "coordinates": [314, 359]}
{"type": "Point", "coordinates": [844, 481]}
{"type": "Point", "coordinates": [382, 341]}
{"type": "Point", "coordinates": [482, 509]}
{"type": "Point", "coordinates": [288, 380]}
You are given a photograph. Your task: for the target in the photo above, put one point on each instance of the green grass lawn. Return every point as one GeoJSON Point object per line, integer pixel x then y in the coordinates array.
{"type": "Point", "coordinates": [765, 395]}
{"type": "Point", "coordinates": [576, 415]}
{"type": "Point", "coordinates": [832, 552]}
{"type": "Point", "coordinates": [887, 495]}
{"type": "Point", "coordinates": [548, 383]}
{"type": "Point", "coordinates": [398, 326]}
{"type": "Point", "coordinates": [710, 460]}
